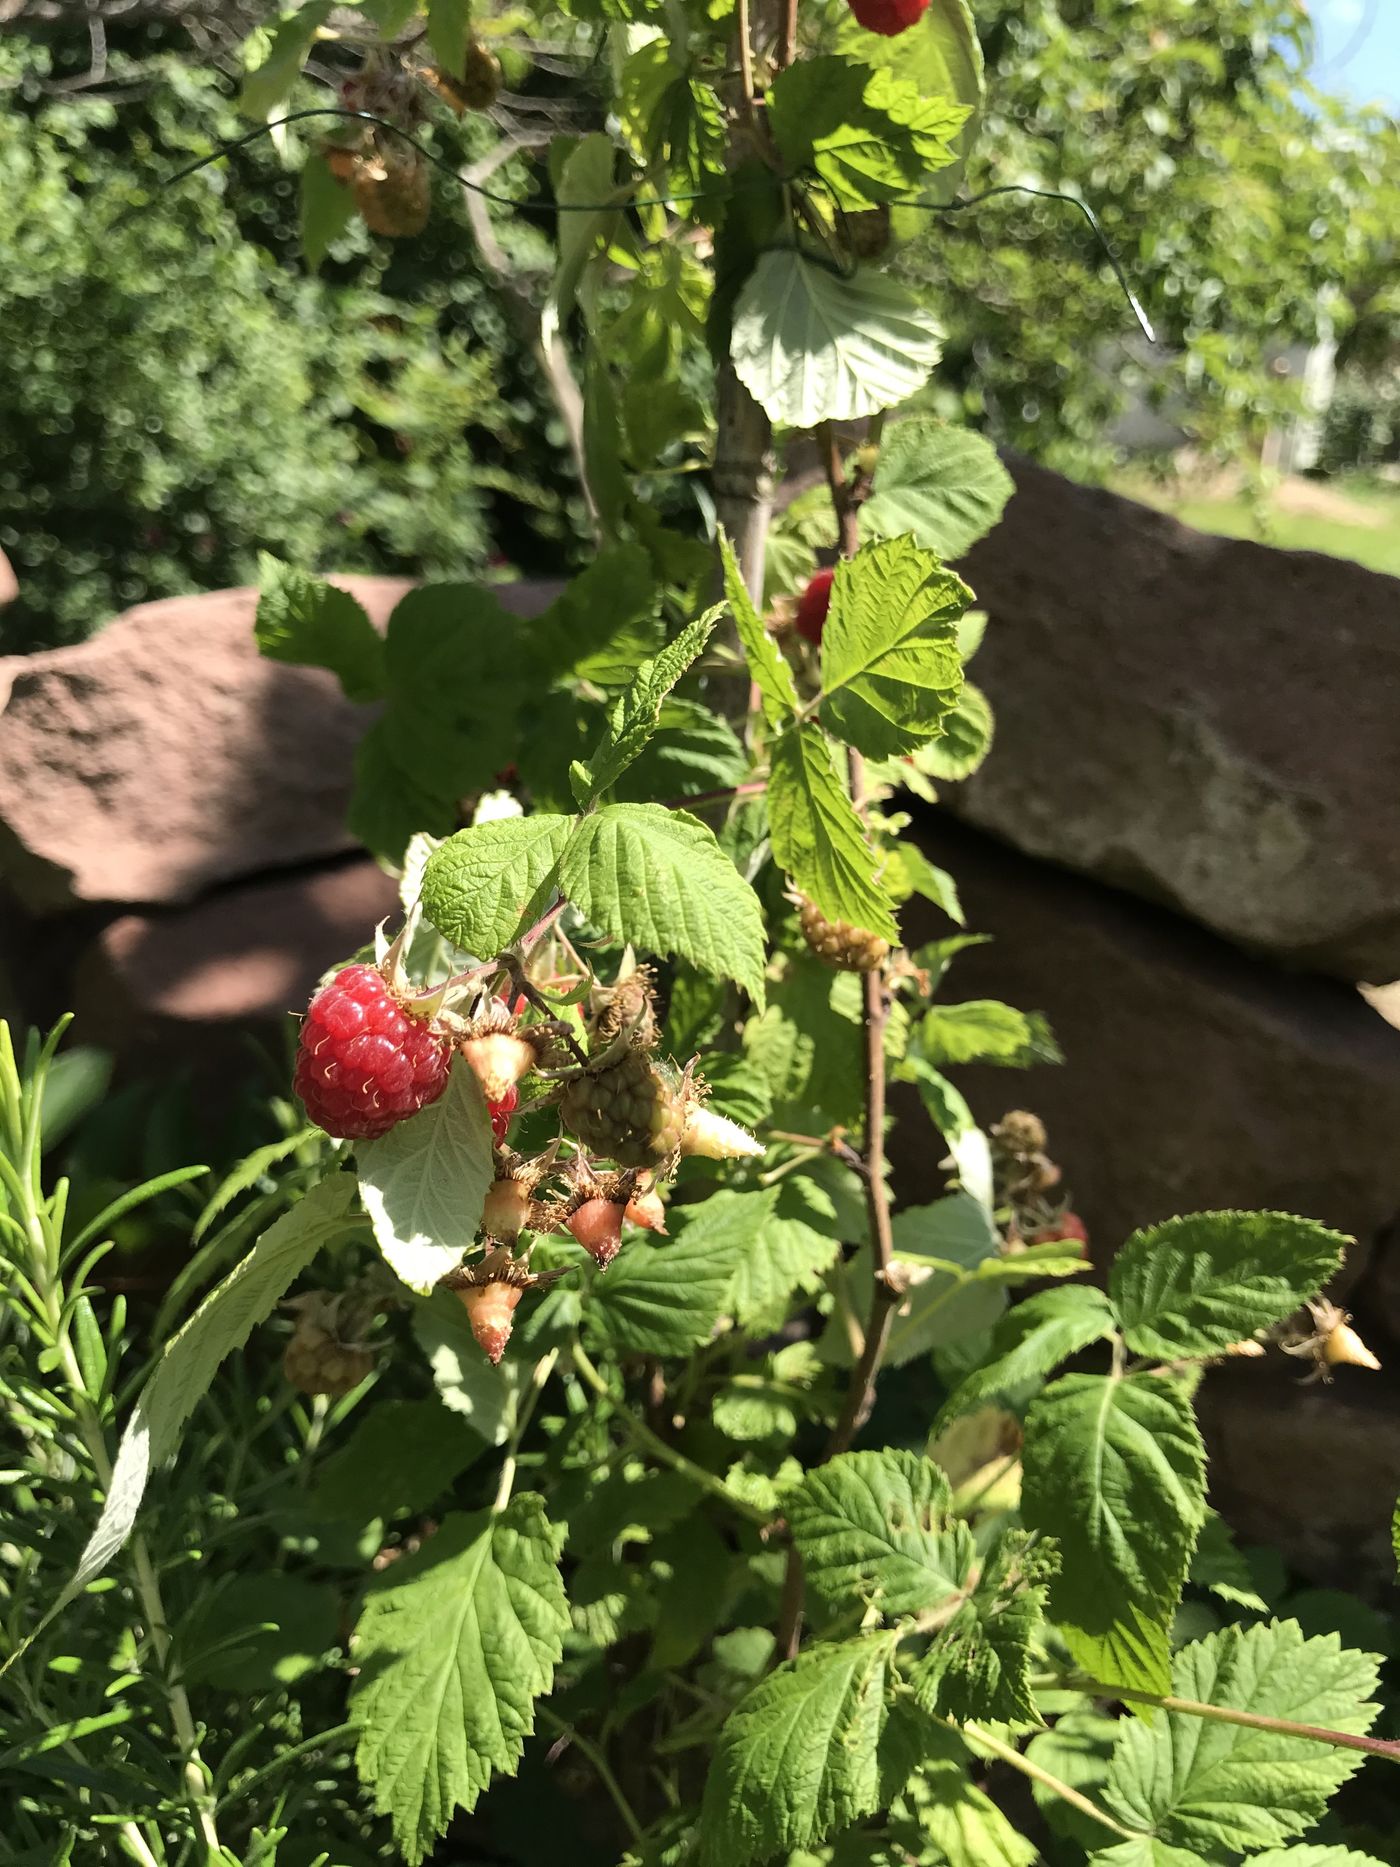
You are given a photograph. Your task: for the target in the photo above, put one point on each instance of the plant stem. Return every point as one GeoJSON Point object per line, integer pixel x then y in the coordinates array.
{"type": "Point", "coordinates": [787, 42]}
{"type": "Point", "coordinates": [746, 83]}
{"type": "Point", "coordinates": [602, 1769]}
{"type": "Point", "coordinates": [1251, 1720]}
{"type": "Point", "coordinates": [847, 507]}
{"type": "Point", "coordinates": [322, 1741]}
{"type": "Point", "coordinates": [544, 1367]}
{"type": "Point", "coordinates": [1005, 1753]}
{"type": "Point", "coordinates": [668, 1455]}
{"type": "Point", "coordinates": [724, 795]}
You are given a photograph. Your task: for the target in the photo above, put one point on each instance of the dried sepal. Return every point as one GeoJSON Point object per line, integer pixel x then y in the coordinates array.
{"type": "Point", "coordinates": [1332, 1343]}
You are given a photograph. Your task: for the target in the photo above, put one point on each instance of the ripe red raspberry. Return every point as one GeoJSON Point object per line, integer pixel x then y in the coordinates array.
{"type": "Point", "coordinates": [1068, 1229]}
{"type": "Point", "coordinates": [364, 1063]}
{"type": "Point", "coordinates": [501, 1113]}
{"type": "Point", "coordinates": [814, 602]}
{"type": "Point", "coordinates": [888, 17]}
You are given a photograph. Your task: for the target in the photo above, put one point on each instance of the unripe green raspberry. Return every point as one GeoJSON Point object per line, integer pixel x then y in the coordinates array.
{"type": "Point", "coordinates": [626, 1112]}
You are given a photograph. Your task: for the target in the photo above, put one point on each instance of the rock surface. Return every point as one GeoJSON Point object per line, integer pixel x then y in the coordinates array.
{"type": "Point", "coordinates": [165, 755]}
{"type": "Point", "coordinates": [1196, 1076]}
{"type": "Point", "coordinates": [1208, 722]}
{"type": "Point", "coordinates": [247, 954]}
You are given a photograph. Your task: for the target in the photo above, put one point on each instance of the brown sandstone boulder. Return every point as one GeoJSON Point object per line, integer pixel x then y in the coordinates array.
{"type": "Point", "coordinates": [245, 955]}
{"type": "Point", "coordinates": [1211, 723]}
{"type": "Point", "coordinates": [1196, 1076]}
{"type": "Point", "coordinates": [165, 755]}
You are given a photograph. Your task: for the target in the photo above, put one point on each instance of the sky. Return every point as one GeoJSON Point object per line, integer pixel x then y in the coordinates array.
{"type": "Point", "coordinates": [1358, 49]}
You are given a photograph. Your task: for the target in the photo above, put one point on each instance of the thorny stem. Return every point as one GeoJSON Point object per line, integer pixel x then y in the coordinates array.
{"type": "Point", "coordinates": [724, 795]}
{"type": "Point", "coordinates": [658, 1448]}
{"type": "Point", "coordinates": [1005, 1753]}
{"type": "Point", "coordinates": [1252, 1720]}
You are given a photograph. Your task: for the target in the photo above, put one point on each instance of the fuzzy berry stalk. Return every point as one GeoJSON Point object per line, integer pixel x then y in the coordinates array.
{"type": "Point", "coordinates": [364, 1061]}
{"type": "Point", "coordinates": [813, 605]}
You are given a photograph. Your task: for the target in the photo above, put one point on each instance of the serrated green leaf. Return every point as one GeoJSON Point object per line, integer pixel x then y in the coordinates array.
{"type": "Point", "coordinates": [978, 1666]}
{"type": "Point", "coordinates": [773, 1255]}
{"type": "Point", "coordinates": [605, 624]}
{"type": "Point", "coordinates": [1195, 1783]}
{"type": "Point", "coordinates": [483, 886]}
{"type": "Point", "coordinates": [868, 135]}
{"type": "Point", "coordinates": [1216, 1564]}
{"type": "Point", "coordinates": [770, 672]}
{"type": "Point", "coordinates": [585, 180]}
{"type": "Point", "coordinates": [454, 1644]}
{"type": "Point", "coordinates": [634, 716]}
{"type": "Point", "coordinates": [1114, 1470]}
{"type": "Point", "coordinates": [325, 209]}
{"type": "Point", "coordinates": [948, 1819]}
{"type": "Point", "coordinates": [302, 620]}
{"type": "Point", "coordinates": [258, 1632]}
{"type": "Point", "coordinates": [1194, 1285]}
{"type": "Point", "coordinates": [190, 1359]}
{"type": "Point", "coordinates": [916, 875]}
{"type": "Point", "coordinates": [941, 57]}
{"type": "Point", "coordinates": [874, 1527]}
{"type": "Point", "coordinates": [941, 1307]}
{"type": "Point", "coordinates": [291, 39]}
{"type": "Point", "coordinates": [798, 1758]}
{"type": "Point", "coordinates": [657, 878]}
{"type": "Point", "coordinates": [1311, 1854]}
{"type": "Point", "coordinates": [891, 673]}
{"type": "Point", "coordinates": [665, 1299]}
{"type": "Point", "coordinates": [982, 1030]}
{"type": "Point", "coordinates": [1077, 1750]}
{"type": "Point", "coordinates": [944, 1103]}
{"type": "Point", "coordinates": [945, 486]}
{"type": "Point", "coordinates": [817, 836]}
{"type": "Point", "coordinates": [424, 1182]}
{"type": "Point", "coordinates": [810, 345]}
{"type": "Point", "coordinates": [966, 738]}
{"type": "Point", "coordinates": [1032, 1340]}
{"type": "Point", "coordinates": [390, 16]}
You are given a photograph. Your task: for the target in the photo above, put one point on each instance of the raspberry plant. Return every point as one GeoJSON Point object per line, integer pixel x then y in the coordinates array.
{"type": "Point", "coordinates": [748, 1486]}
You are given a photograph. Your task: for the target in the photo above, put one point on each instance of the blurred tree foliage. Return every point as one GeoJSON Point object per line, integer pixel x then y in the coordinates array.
{"type": "Point", "coordinates": [176, 393]}
{"type": "Point", "coordinates": [1247, 208]}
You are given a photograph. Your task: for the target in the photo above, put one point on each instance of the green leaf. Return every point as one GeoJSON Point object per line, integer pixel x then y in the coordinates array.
{"type": "Point", "coordinates": [449, 31]}
{"type": "Point", "coordinates": [891, 673]}
{"type": "Point", "coordinates": [1195, 1285]}
{"type": "Point", "coordinates": [947, 1819]}
{"type": "Point", "coordinates": [634, 716]}
{"type": "Point", "coordinates": [944, 485]}
{"type": "Point", "coordinates": [982, 1030]}
{"type": "Point", "coordinates": [817, 836]}
{"type": "Point", "coordinates": [187, 1365]}
{"type": "Point", "coordinates": [300, 619]}
{"type": "Point", "coordinates": [258, 1632]}
{"type": "Point", "coordinates": [389, 16]}
{"type": "Point", "coordinates": [483, 887]}
{"type": "Point", "coordinates": [326, 209]}
{"type": "Point", "coordinates": [874, 1528]}
{"type": "Point", "coordinates": [1195, 1783]}
{"type": "Point", "coordinates": [1076, 1749]}
{"type": "Point", "coordinates": [1114, 1470]}
{"type": "Point", "coordinates": [812, 346]}
{"type": "Point", "coordinates": [585, 179]}
{"type": "Point", "coordinates": [453, 1646]}
{"type": "Point", "coordinates": [940, 57]}
{"type": "Point", "coordinates": [1310, 1854]}
{"type": "Point", "coordinates": [771, 1253]}
{"type": "Point", "coordinates": [657, 878]}
{"type": "Point", "coordinates": [388, 807]}
{"type": "Point", "coordinates": [604, 625]}
{"type": "Point", "coordinates": [401, 1457]}
{"type": "Point", "coordinates": [485, 1397]}
{"type": "Point", "coordinates": [1030, 1341]}
{"type": "Point", "coordinates": [869, 136]}
{"type": "Point", "coordinates": [423, 1183]}
{"type": "Point", "coordinates": [665, 1299]}
{"type": "Point", "coordinates": [267, 85]}
{"type": "Point", "coordinates": [979, 1665]}
{"type": "Point", "coordinates": [918, 876]}
{"type": "Point", "coordinates": [966, 738]}
{"type": "Point", "coordinates": [1216, 1564]}
{"type": "Point", "coordinates": [769, 671]}
{"type": "Point", "coordinates": [797, 1759]}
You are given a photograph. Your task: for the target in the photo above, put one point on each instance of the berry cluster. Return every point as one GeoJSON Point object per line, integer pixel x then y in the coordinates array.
{"type": "Point", "coordinates": [373, 1054]}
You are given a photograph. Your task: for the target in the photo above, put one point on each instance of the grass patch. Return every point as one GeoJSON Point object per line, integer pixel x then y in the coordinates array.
{"type": "Point", "coordinates": [1371, 537]}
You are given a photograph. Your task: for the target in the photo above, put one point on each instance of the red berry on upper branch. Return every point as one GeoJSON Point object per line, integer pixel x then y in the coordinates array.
{"type": "Point", "coordinates": [364, 1063]}
{"type": "Point", "coordinates": [1068, 1229]}
{"type": "Point", "coordinates": [815, 600]}
{"type": "Point", "coordinates": [888, 17]}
